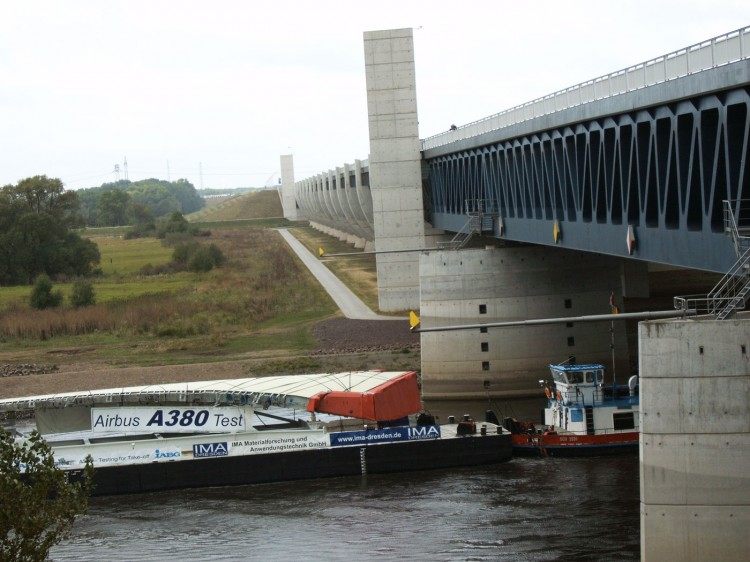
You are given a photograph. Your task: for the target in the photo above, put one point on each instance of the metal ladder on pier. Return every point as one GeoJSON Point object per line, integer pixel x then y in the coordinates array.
{"type": "Point", "coordinates": [731, 293]}
{"type": "Point", "coordinates": [479, 220]}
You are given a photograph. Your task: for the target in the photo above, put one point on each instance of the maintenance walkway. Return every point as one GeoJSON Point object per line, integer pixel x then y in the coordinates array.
{"type": "Point", "coordinates": [350, 304]}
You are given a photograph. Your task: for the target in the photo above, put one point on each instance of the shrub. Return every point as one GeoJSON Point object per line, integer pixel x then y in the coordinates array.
{"type": "Point", "coordinates": [184, 252]}
{"type": "Point", "coordinates": [38, 500]}
{"type": "Point", "coordinates": [83, 294]}
{"type": "Point", "coordinates": [196, 257]}
{"type": "Point", "coordinates": [42, 295]}
{"type": "Point", "coordinates": [216, 255]}
{"type": "Point", "coordinates": [175, 223]}
{"type": "Point", "coordinates": [161, 269]}
{"type": "Point", "coordinates": [201, 260]}
{"type": "Point", "coordinates": [141, 230]}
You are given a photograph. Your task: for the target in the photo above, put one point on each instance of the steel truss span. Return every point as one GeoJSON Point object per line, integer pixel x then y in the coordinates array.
{"type": "Point", "coordinates": [656, 177]}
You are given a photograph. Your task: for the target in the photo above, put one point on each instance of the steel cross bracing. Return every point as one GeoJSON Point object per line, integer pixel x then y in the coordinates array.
{"type": "Point", "coordinates": [659, 173]}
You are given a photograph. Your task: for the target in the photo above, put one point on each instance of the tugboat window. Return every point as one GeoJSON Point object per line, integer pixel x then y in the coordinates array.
{"type": "Point", "coordinates": [623, 420]}
{"type": "Point", "coordinates": [575, 378]}
{"type": "Point", "coordinates": [589, 376]}
{"type": "Point", "coordinates": [599, 376]}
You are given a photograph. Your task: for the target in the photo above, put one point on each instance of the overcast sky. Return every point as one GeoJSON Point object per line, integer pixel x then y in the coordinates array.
{"type": "Point", "coordinates": [84, 84]}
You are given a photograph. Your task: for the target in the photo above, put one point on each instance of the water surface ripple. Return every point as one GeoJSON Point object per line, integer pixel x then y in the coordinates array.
{"type": "Point", "coordinates": [525, 509]}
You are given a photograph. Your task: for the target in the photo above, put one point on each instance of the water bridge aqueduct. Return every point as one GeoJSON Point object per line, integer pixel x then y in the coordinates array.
{"type": "Point", "coordinates": [574, 196]}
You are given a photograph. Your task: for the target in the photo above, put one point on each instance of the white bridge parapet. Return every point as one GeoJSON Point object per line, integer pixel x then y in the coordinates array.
{"type": "Point", "coordinates": [711, 53]}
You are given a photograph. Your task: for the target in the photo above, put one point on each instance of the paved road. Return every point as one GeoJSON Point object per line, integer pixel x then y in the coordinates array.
{"type": "Point", "coordinates": [349, 303]}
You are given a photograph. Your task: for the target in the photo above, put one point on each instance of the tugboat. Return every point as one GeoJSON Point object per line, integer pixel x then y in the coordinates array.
{"type": "Point", "coordinates": [584, 416]}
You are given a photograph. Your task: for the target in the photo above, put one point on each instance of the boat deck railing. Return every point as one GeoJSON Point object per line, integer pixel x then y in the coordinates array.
{"type": "Point", "coordinates": [602, 397]}
{"type": "Point", "coordinates": [599, 431]}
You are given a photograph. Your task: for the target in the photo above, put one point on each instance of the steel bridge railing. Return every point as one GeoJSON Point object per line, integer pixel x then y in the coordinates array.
{"type": "Point", "coordinates": [711, 53]}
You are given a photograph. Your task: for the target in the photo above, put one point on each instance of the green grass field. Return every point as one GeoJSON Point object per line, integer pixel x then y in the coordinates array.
{"type": "Point", "coordinates": [261, 300]}
{"type": "Point", "coordinates": [129, 256]}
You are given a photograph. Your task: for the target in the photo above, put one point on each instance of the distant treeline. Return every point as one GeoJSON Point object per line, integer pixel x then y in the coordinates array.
{"type": "Point", "coordinates": [125, 202]}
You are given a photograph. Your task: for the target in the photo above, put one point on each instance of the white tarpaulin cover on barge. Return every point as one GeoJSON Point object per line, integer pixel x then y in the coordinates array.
{"type": "Point", "coordinates": [275, 390]}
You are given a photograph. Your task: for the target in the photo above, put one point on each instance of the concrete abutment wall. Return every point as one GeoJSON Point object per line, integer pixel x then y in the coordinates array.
{"type": "Point", "coordinates": [695, 439]}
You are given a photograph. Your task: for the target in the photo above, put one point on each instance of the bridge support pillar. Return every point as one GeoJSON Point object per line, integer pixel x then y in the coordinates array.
{"type": "Point", "coordinates": [514, 283]}
{"type": "Point", "coordinates": [695, 439]}
{"type": "Point", "coordinates": [395, 165]}
{"type": "Point", "coordinates": [288, 202]}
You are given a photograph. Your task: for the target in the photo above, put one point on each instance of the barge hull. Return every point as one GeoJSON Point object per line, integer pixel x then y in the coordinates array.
{"type": "Point", "coordinates": [564, 445]}
{"type": "Point", "coordinates": [300, 465]}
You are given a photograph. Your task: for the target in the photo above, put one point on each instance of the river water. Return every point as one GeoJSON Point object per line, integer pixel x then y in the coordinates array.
{"type": "Point", "coordinates": [525, 509]}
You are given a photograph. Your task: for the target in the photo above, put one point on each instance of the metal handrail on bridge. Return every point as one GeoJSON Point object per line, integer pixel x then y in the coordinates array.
{"type": "Point", "coordinates": [711, 53]}
{"type": "Point", "coordinates": [731, 292]}
{"type": "Point", "coordinates": [478, 211]}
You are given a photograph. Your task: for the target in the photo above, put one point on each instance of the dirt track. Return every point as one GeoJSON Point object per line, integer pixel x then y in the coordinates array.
{"type": "Point", "coordinates": [342, 345]}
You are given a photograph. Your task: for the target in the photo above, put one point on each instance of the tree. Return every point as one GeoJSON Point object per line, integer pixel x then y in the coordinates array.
{"type": "Point", "coordinates": [38, 503]}
{"type": "Point", "coordinates": [82, 294]}
{"type": "Point", "coordinates": [42, 296]}
{"type": "Point", "coordinates": [36, 218]}
{"type": "Point", "coordinates": [112, 207]}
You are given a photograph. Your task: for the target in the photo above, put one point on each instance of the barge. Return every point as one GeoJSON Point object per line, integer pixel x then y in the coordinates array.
{"type": "Point", "coordinates": [583, 416]}
{"type": "Point", "coordinates": [253, 430]}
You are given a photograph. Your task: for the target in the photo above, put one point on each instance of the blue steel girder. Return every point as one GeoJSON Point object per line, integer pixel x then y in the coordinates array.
{"type": "Point", "coordinates": [663, 170]}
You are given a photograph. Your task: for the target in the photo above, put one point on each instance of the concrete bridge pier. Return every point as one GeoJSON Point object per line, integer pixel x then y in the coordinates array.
{"type": "Point", "coordinates": [288, 201]}
{"type": "Point", "coordinates": [517, 283]}
{"type": "Point", "coordinates": [695, 439]}
{"type": "Point", "coordinates": [395, 165]}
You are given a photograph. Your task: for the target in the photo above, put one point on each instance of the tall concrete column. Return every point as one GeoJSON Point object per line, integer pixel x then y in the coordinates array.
{"type": "Point", "coordinates": [695, 439]}
{"type": "Point", "coordinates": [476, 286]}
{"type": "Point", "coordinates": [395, 164]}
{"type": "Point", "coordinates": [288, 202]}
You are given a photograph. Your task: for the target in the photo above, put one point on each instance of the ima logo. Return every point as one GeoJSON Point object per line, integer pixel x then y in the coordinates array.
{"type": "Point", "coordinates": [210, 450]}
{"type": "Point", "coordinates": [424, 432]}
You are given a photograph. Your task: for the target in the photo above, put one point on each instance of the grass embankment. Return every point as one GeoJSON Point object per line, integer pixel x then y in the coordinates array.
{"type": "Point", "coordinates": [357, 272]}
{"type": "Point", "coordinates": [262, 302]}
{"type": "Point", "coordinates": [256, 205]}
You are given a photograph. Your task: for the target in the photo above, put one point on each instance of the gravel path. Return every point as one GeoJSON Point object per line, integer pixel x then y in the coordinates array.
{"type": "Point", "coordinates": [346, 335]}
{"type": "Point", "coordinates": [25, 369]}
